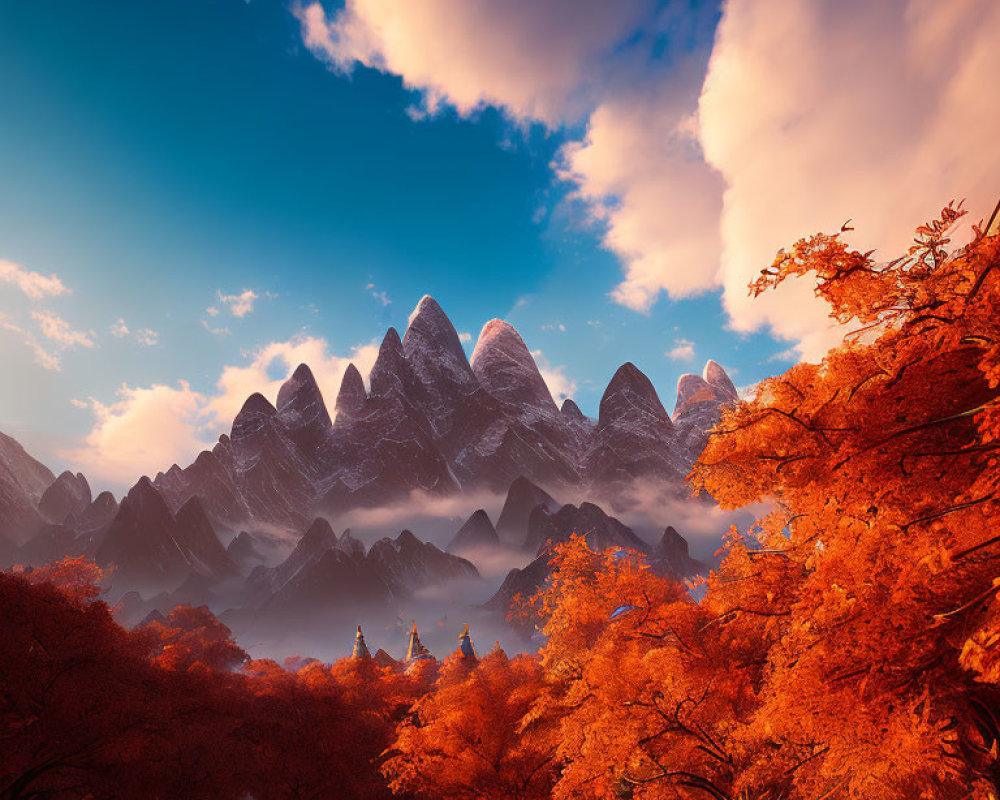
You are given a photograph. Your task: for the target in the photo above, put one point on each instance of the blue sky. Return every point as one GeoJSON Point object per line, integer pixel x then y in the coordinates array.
{"type": "Point", "coordinates": [160, 156]}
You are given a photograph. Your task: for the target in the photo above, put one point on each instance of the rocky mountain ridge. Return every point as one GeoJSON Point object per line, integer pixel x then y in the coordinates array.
{"type": "Point", "coordinates": [433, 422]}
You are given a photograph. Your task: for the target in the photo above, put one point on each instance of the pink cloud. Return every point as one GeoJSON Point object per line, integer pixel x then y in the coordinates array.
{"type": "Point", "coordinates": [238, 382]}
{"type": "Point", "coordinates": [148, 428]}
{"type": "Point", "coordinates": [538, 60]}
{"type": "Point", "coordinates": [34, 285]}
{"type": "Point", "coordinates": [809, 114]}
{"type": "Point", "coordinates": [816, 113]}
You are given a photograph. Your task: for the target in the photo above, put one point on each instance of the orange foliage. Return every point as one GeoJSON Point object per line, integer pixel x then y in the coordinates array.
{"type": "Point", "coordinates": [848, 647]}
{"type": "Point", "coordinates": [881, 558]}
{"type": "Point", "coordinates": [464, 739]}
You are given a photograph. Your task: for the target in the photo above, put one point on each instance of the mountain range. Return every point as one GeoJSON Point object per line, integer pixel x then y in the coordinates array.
{"type": "Point", "coordinates": [434, 422]}
{"type": "Point", "coordinates": [429, 422]}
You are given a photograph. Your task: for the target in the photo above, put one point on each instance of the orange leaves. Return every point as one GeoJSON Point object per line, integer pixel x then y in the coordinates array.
{"type": "Point", "coordinates": [465, 738]}
{"type": "Point", "coordinates": [884, 463]}
{"type": "Point", "coordinates": [193, 637]}
{"type": "Point", "coordinates": [78, 578]}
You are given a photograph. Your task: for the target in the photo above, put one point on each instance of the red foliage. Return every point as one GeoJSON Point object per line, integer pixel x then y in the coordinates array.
{"type": "Point", "coordinates": [193, 638]}
{"type": "Point", "coordinates": [89, 710]}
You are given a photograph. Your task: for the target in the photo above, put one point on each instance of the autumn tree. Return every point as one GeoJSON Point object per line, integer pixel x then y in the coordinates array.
{"type": "Point", "coordinates": [84, 712]}
{"type": "Point", "coordinates": [88, 709]}
{"type": "Point", "coordinates": [881, 560]}
{"type": "Point", "coordinates": [846, 647]}
{"type": "Point", "coordinates": [646, 695]}
{"type": "Point", "coordinates": [465, 737]}
{"type": "Point", "coordinates": [190, 638]}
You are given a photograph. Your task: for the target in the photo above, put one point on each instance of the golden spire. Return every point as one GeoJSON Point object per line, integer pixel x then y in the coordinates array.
{"type": "Point", "coordinates": [416, 648]}
{"type": "Point", "coordinates": [465, 645]}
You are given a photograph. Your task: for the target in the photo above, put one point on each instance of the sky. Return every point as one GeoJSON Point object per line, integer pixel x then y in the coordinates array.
{"type": "Point", "coordinates": [197, 196]}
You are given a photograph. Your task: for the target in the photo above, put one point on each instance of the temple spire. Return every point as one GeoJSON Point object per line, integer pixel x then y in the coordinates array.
{"type": "Point", "coordinates": [360, 648]}
{"type": "Point", "coordinates": [416, 648]}
{"type": "Point", "coordinates": [465, 645]}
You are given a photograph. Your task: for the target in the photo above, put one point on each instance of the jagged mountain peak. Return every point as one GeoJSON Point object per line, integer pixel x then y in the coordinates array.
{"type": "Point", "coordinates": [692, 389]}
{"type": "Point", "coordinates": [506, 368]}
{"type": "Point", "coordinates": [351, 397]}
{"type": "Point", "coordinates": [300, 401]}
{"type": "Point", "coordinates": [390, 371]}
{"type": "Point", "coordinates": [193, 510]}
{"type": "Point", "coordinates": [497, 333]}
{"type": "Point", "coordinates": [68, 494]}
{"type": "Point", "coordinates": [105, 500]}
{"type": "Point", "coordinates": [407, 538]}
{"type": "Point", "coordinates": [716, 376]}
{"type": "Point", "coordinates": [477, 531]}
{"type": "Point", "coordinates": [319, 534]}
{"type": "Point", "coordinates": [143, 491]}
{"type": "Point", "coordinates": [522, 498]}
{"type": "Point", "coordinates": [571, 410]}
{"type": "Point", "coordinates": [257, 404]}
{"type": "Point", "coordinates": [631, 393]}
{"type": "Point", "coordinates": [432, 346]}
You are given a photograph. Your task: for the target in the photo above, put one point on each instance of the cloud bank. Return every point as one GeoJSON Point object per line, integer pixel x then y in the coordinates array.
{"type": "Point", "coordinates": [146, 429]}
{"type": "Point", "coordinates": [702, 156]}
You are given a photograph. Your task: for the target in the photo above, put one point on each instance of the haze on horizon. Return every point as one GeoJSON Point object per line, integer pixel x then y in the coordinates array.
{"type": "Point", "coordinates": [198, 198]}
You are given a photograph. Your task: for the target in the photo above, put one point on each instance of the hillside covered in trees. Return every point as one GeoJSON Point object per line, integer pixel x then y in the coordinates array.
{"type": "Point", "coordinates": [845, 648]}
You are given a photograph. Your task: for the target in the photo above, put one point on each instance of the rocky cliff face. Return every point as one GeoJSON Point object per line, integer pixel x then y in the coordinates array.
{"type": "Point", "coordinates": [23, 480]}
{"type": "Point", "coordinates": [523, 497]}
{"type": "Point", "coordinates": [68, 494]}
{"type": "Point", "coordinates": [634, 438]}
{"type": "Point", "coordinates": [324, 572]}
{"type": "Point", "coordinates": [668, 558]}
{"type": "Point", "coordinates": [600, 530]}
{"type": "Point", "coordinates": [700, 400]}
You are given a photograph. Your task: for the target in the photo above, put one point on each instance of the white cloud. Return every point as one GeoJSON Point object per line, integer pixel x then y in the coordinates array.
{"type": "Point", "coordinates": [212, 311]}
{"type": "Point", "coordinates": [44, 358]}
{"type": "Point", "coordinates": [683, 350]}
{"type": "Point", "coordinates": [465, 337]}
{"type": "Point", "coordinates": [819, 112]}
{"type": "Point", "coordinates": [33, 284]}
{"type": "Point", "coordinates": [560, 384]}
{"type": "Point", "coordinates": [554, 326]}
{"type": "Point", "coordinates": [538, 60]}
{"type": "Point", "coordinates": [238, 382]}
{"type": "Point", "coordinates": [220, 331]}
{"type": "Point", "coordinates": [144, 336]}
{"type": "Point", "coordinates": [641, 175]}
{"type": "Point", "coordinates": [146, 429]}
{"type": "Point", "coordinates": [53, 328]}
{"type": "Point", "coordinates": [809, 114]}
{"type": "Point", "coordinates": [239, 304]}
{"type": "Point", "coordinates": [382, 297]}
